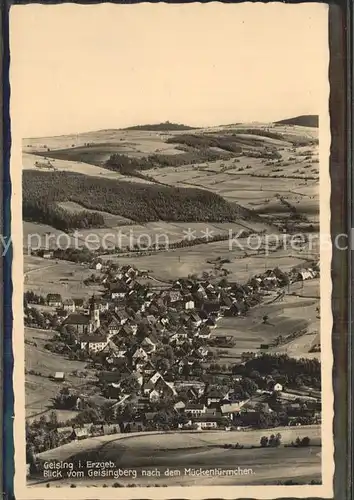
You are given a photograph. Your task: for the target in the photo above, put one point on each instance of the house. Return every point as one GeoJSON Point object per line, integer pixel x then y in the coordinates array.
{"type": "Point", "coordinates": [112, 351]}
{"type": "Point", "coordinates": [94, 343]}
{"type": "Point", "coordinates": [180, 405]}
{"type": "Point", "coordinates": [62, 315]}
{"type": "Point", "coordinates": [180, 335]}
{"type": "Point", "coordinates": [204, 332]}
{"type": "Point", "coordinates": [148, 345]}
{"type": "Point", "coordinates": [103, 304]}
{"type": "Point", "coordinates": [215, 395]}
{"type": "Point", "coordinates": [54, 300]}
{"type": "Point", "coordinates": [114, 326]}
{"type": "Point", "coordinates": [203, 351]}
{"type": "Point", "coordinates": [212, 412]}
{"type": "Point", "coordinates": [211, 322]}
{"type": "Point", "coordinates": [275, 387]}
{"type": "Point", "coordinates": [69, 305]}
{"type": "Point", "coordinates": [150, 384]}
{"type": "Point", "coordinates": [98, 266]}
{"type": "Point", "coordinates": [133, 426]}
{"type": "Point", "coordinates": [118, 291]}
{"type": "Point", "coordinates": [79, 303]}
{"type": "Point", "coordinates": [195, 319]}
{"type": "Point", "coordinates": [304, 274]}
{"type": "Point", "coordinates": [246, 356]}
{"type": "Point", "coordinates": [195, 409]}
{"type": "Point", "coordinates": [129, 271]}
{"type": "Point", "coordinates": [230, 409]}
{"type": "Point", "coordinates": [189, 304]}
{"type": "Point", "coordinates": [79, 433]}
{"type": "Point", "coordinates": [145, 367]}
{"type": "Point", "coordinates": [140, 353]}
{"type": "Point", "coordinates": [154, 395]}
{"type": "Point", "coordinates": [59, 376]}
{"type": "Point", "coordinates": [126, 331]}
{"type": "Point", "coordinates": [165, 389]}
{"type": "Point", "coordinates": [174, 296]}
{"type": "Point", "coordinates": [47, 254]}
{"type": "Point", "coordinates": [122, 316]}
{"type": "Point", "coordinates": [206, 424]}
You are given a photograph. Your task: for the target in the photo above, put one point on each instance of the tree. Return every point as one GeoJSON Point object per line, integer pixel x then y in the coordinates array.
{"type": "Point", "coordinates": [53, 421]}
{"type": "Point", "coordinates": [277, 440]}
{"type": "Point", "coordinates": [264, 441]}
{"type": "Point", "coordinates": [305, 441]}
{"type": "Point", "coordinates": [265, 319]}
{"type": "Point", "coordinates": [130, 385]}
{"type": "Point", "coordinates": [249, 386]}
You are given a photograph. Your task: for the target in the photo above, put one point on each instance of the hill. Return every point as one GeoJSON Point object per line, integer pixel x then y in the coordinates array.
{"type": "Point", "coordinates": [165, 126]}
{"type": "Point", "coordinates": [302, 121]}
{"type": "Point", "coordinates": [44, 191]}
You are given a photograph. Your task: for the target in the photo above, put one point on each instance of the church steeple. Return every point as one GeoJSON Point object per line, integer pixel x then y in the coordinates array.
{"type": "Point", "coordinates": [94, 313]}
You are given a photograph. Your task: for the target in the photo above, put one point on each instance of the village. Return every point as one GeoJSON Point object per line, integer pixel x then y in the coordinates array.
{"type": "Point", "coordinates": [156, 353]}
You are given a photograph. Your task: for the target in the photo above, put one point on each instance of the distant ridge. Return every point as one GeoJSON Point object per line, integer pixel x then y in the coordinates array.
{"type": "Point", "coordinates": [302, 120]}
{"type": "Point", "coordinates": [165, 126]}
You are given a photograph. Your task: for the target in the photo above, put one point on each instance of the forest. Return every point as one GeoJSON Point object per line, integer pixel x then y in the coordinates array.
{"type": "Point", "coordinates": [165, 126]}
{"type": "Point", "coordinates": [298, 371]}
{"type": "Point", "coordinates": [131, 166]}
{"type": "Point", "coordinates": [42, 191]}
{"type": "Point", "coordinates": [303, 121]}
{"type": "Point", "coordinates": [41, 209]}
{"type": "Point", "coordinates": [226, 143]}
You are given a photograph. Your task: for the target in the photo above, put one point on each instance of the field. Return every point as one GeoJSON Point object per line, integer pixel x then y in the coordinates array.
{"type": "Point", "coordinates": [44, 276]}
{"type": "Point", "coordinates": [184, 450]}
{"type": "Point", "coordinates": [284, 318]}
{"type": "Point", "coordinates": [95, 144]}
{"type": "Point", "coordinates": [196, 260]}
{"type": "Point", "coordinates": [255, 190]}
{"type": "Point", "coordinates": [40, 389]}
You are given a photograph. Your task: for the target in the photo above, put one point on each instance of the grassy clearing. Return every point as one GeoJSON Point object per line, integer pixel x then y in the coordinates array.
{"type": "Point", "coordinates": [67, 278]}
{"type": "Point", "coordinates": [40, 389]}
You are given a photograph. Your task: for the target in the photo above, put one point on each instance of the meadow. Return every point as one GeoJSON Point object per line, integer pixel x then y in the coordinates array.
{"type": "Point", "coordinates": [44, 276]}
{"type": "Point", "coordinates": [285, 317]}
{"type": "Point", "coordinates": [40, 388]}
{"type": "Point", "coordinates": [198, 449]}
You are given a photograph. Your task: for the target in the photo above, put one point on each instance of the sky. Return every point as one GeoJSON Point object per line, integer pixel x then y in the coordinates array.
{"type": "Point", "coordinates": [77, 68]}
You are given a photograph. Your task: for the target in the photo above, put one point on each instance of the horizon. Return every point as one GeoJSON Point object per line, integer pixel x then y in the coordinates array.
{"type": "Point", "coordinates": [108, 70]}
{"type": "Point", "coordinates": [83, 132]}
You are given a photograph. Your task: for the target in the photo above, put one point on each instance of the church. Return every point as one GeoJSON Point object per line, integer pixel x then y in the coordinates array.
{"type": "Point", "coordinates": [85, 324]}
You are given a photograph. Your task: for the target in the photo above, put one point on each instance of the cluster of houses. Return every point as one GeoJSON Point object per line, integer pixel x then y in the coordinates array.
{"type": "Point", "coordinates": [129, 329]}
{"type": "Point", "coordinates": [188, 309]}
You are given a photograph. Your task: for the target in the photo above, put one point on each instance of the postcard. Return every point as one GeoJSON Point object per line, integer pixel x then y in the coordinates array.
{"type": "Point", "coordinates": [171, 240]}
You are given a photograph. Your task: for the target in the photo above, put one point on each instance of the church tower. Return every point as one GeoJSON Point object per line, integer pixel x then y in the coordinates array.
{"type": "Point", "coordinates": [94, 313]}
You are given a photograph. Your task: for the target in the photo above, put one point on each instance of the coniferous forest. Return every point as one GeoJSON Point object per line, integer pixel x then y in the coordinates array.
{"type": "Point", "coordinates": [42, 191]}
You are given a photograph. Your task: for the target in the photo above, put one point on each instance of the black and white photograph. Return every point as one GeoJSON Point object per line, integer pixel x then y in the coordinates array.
{"type": "Point", "coordinates": [171, 250]}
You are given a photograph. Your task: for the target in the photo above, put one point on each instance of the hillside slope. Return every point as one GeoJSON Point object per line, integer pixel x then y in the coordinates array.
{"type": "Point", "coordinates": [302, 121]}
